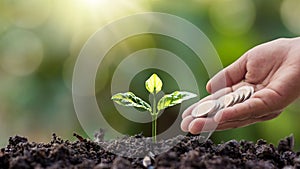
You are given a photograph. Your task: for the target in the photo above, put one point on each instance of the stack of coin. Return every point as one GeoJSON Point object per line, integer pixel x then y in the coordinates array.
{"type": "Point", "coordinates": [213, 106]}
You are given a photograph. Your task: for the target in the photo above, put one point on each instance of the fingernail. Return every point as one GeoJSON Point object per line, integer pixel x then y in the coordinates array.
{"type": "Point", "coordinates": [190, 127]}
{"type": "Point", "coordinates": [218, 116]}
{"type": "Point", "coordinates": [185, 123]}
{"type": "Point", "coordinates": [184, 127]}
{"type": "Point", "coordinates": [208, 87]}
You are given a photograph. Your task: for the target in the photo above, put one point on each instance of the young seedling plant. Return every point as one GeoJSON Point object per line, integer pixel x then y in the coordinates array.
{"type": "Point", "coordinates": [154, 86]}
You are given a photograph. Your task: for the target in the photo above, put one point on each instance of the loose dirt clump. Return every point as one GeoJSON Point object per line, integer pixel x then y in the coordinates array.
{"type": "Point", "coordinates": [188, 153]}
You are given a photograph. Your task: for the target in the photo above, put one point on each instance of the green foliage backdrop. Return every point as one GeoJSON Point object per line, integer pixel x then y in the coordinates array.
{"type": "Point", "coordinates": [40, 41]}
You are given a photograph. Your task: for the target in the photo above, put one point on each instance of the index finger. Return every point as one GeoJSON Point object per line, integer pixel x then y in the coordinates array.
{"type": "Point", "coordinates": [229, 76]}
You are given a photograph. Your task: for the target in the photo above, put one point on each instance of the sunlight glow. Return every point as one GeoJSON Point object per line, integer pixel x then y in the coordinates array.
{"type": "Point", "coordinates": [108, 10]}
{"type": "Point", "coordinates": [97, 2]}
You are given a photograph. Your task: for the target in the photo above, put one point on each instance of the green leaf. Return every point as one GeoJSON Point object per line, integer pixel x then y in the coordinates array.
{"type": "Point", "coordinates": [154, 84]}
{"type": "Point", "coordinates": [129, 99]}
{"type": "Point", "coordinates": [173, 99]}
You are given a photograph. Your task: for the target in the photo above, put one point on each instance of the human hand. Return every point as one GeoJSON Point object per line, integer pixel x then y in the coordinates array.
{"type": "Point", "coordinates": [273, 69]}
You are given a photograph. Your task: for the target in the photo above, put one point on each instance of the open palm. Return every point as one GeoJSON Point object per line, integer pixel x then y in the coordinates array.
{"type": "Point", "coordinates": [273, 69]}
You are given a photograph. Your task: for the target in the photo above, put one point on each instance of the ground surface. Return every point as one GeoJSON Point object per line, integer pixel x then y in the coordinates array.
{"type": "Point", "coordinates": [189, 153]}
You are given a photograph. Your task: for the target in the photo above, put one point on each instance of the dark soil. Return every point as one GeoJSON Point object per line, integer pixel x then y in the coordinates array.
{"type": "Point", "coordinates": [189, 153]}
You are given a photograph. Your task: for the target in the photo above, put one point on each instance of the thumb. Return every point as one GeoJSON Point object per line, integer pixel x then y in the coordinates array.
{"type": "Point", "coordinates": [229, 76]}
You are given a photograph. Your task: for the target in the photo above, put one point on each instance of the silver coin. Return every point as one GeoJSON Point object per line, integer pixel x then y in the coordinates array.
{"type": "Point", "coordinates": [219, 106]}
{"type": "Point", "coordinates": [246, 91]}
{"type": "Point", "coordinates": [242, 97]}
{"type": "Point", "coordinates": [211, 107]}
{"type": "Point", "coordinates": [205, 108]}
{"type": "Point", "coordinates": [251, 89]}
{"type": "Point", "coordinates": [227, 100]}
{"type": "Point", "coordinates": [236, 97]}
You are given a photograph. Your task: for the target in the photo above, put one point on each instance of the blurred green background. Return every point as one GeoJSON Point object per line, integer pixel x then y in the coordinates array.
{"type": "Point", "coordinates": [40, 41]}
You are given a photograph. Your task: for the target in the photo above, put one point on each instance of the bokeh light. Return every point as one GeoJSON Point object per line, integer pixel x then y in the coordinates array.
{"type": "Point", "coordinates": [29, 13]}
{"type": "Point", "coordinates": [5, 19]}
{"type": "Point", "coordinates": [232, 17]}
{"type": "Point", "coordinates": [21, 52]}
{"type": "Point", "coordinates": [290, 15]}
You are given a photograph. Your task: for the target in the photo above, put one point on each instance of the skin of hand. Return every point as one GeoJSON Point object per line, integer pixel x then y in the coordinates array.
{"type": "Point", "coordinates": [272, 68]}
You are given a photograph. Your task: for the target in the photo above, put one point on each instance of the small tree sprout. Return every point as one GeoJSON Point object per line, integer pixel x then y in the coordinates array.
{"type": "Point", "coordinates": [153, 86]}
